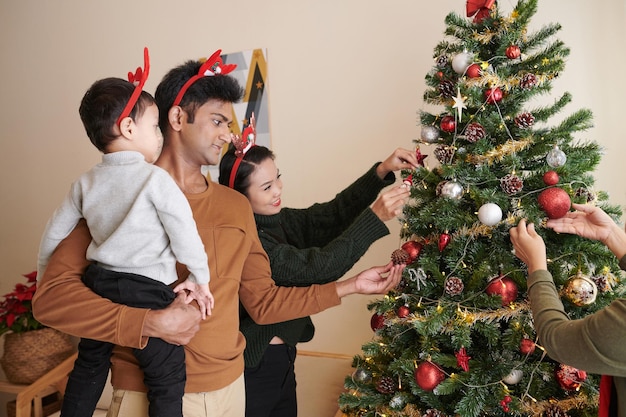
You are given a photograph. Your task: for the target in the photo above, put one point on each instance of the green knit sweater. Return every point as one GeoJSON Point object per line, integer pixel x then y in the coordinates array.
{"type": "Point", "coordinates": [594, 344]}
{"type": "Point", "coordinates": [315, 245]}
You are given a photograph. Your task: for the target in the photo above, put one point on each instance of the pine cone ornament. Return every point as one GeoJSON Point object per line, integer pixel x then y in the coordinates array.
{"type": "Point", "coordinates": [583, 192]}
{"type": "Point", "coordinates": [524, 120]}
{"type": "Point", "coordinates": [446, 88]}
{"type": "Point", "coordinates": [442, 61]}
{"type": "Point", "coordinates": [511, 184]}
{"type": "Point", "coordinates": [400, 256]}
{"type": "Point", "coordinates": [444, 153]}
{"type": "Point", "coordinates": [555, 411]}
{"type": "Point", "coordinates": [528, 81]}
{"type": "Point", "coordinates": [474, 132]}
{"type": "Point", "coordinates": [454, 286]}
{"type": "Point", "coordinates": [432, 412]}
{"type": "Point", "coordinates": [386, 385]}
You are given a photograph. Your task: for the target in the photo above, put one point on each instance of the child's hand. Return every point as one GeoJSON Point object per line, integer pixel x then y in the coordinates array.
{"type": "Point", "coordinates": [198, 292]}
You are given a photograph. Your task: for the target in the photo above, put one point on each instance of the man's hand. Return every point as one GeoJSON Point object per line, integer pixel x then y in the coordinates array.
{"type": "Point", "coordinates": [175, 324]}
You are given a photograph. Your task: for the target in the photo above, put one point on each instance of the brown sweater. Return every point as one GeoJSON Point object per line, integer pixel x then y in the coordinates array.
{"type": "Point", "coordinates": [240, 271]}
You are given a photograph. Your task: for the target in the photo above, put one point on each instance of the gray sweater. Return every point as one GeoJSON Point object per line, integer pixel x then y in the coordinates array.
{"type": "Point", "coordinates": [140, 221]}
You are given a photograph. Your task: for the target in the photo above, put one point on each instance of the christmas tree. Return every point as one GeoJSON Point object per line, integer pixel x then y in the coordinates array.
{"type": "Point", "coordinates": [456, 337]}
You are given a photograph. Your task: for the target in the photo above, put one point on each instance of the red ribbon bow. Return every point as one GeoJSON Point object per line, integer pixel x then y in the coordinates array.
{"type": "Point", "coordinates": [480, 9]}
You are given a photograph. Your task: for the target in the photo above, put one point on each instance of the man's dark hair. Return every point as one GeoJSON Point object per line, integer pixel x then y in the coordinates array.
{"type": "Point", "coordinates": [103, 103]}
{"type": "Point", "coordinates": [218, 87]}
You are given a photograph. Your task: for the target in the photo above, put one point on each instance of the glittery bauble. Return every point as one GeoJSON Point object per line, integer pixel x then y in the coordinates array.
{"type": "Point", "coordinates": [513, 377]}
{"type": "Point", "coordinates": [413, 248]}
{"type": "Point", "coordinates": [493, 95]}
{"type": "Point", "coordinates": [474, 71]}
{"type": "Point", "coordinates": [580, 290]}
{"type": "Point", "coordinates": [555, 202]}
{"type": "Point", "coordinates": [448, 124]}
{"type": "Point", "coordinates": [428, 375]}
{"type": "Point", "coordinates": [505, 287]}
{"type": "Point", "coordinates": [474, 132]}
{"type": "Point", "coordinates": [556, 157]}
{"type": "Point", "coordinates": [570, 378]}
{"type": "Point", "coordinates": [490, 214]}
{"type": "Point", "coordinates": [377, 321]}
{"type": "Point", "coordinates": [461, 61]}
{"type": "Point", "coordinates": [398, 401]}
{"type": "Point", "coordinates": [526, 346]}
{"type": "Point", "coordinates": [429, 134]}
{"type": "Point", "coordinates": [362, 376]}
{"type": "Point", "coordinates": [452, 189]}
{"type": "Point", "coordinates": [550, 178]}
{"type": "Point", "coordinates": [513, 52]}
{"type": "Point", "coordinates": [403, 312]}
{"type": "Point", "coordinates": [453, 286]}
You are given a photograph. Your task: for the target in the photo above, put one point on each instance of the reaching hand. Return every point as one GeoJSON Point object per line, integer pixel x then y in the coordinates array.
{"type": "Point", "coordinates": [529, 246]}
{"type": "Point", "coordinates": [372, 281]}
{"type": "Point", "coordinates": [197, 292]}
{"type": "Point", "coordinates": [587, 221]}
{"type": "Point", "coordinates": [391, 202]}
{"type": "Point", "coordinates": [399, 159]}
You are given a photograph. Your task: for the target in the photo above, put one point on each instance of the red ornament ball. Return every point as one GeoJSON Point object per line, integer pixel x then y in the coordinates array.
{"type": "Point", "coordinates": [550, 178]}
{"type": "Point", "coordinates": [448, 124]}
{"type": "Point", "coordinates": [555, 202]}
{"type": "Point", "coordinates": [474, 71]}
{"type": "Point", "coordinates": [505, 287]}
{"type": "Point", "coordinates": [513, 52]}
{"type": "Point", "coordinates": [493, 95]}
{"type": "Point", "coordinates": [413, 248]}
{"type": "Point", "coordinates": [444, 239]}
{"type": "Point", "coordinates": [403, 312]}
{"type": "Point", "coordinates": [428, 375]}
{"type": "Point", "coordinates": [527, 346]}
{"type": "Point", "coordinates": [377, 321]}
{"type": "Point", "coordinates": [570, 378]}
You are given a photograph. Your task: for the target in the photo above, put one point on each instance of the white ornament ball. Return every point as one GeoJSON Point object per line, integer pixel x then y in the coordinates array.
{"type": "Point", "coordinates": [556, 157]}
{"type": "Point", "coordinates": [430, 134]}
{"type": "Point", "coordinates": [461, 62]}
{"type": "Point", "coordinates": [490, 214]}
{"type": "Point", "coordinates": [452, 189]}
{"type": "Point", "coordinates": [514, 377]}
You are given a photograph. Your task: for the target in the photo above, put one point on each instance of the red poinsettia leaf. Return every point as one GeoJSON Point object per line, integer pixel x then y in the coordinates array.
{"type": "Point", "coordinates": [32, 277]}
{"type": "Point", "coordinates": [10, 319]}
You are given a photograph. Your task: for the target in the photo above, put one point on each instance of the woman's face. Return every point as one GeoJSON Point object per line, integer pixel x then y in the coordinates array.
{"type": "Point", "coordinates": [265, 188]}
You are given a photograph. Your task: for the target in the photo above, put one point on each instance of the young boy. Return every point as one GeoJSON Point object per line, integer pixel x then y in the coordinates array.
{"type": "Point", "coordinates": [141, 224]}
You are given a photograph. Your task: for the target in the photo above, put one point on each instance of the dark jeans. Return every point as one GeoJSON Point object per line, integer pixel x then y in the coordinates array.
{"type": "Point", "coordinates": [271, 386]}
{"type": "Point", "coordinates": [163, 364]}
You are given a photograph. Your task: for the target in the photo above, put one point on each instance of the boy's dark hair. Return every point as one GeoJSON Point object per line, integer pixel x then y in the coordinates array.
{"type": "Point", "coordinates": [218, 87]}
{"type": "Point", "coordinates": [103, 103]}
{"type": "Point", "coordinates": [251, 159]}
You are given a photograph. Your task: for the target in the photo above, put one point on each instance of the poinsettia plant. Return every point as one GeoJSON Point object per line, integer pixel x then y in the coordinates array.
{"type": "Point", "coordinates": [16, 311]}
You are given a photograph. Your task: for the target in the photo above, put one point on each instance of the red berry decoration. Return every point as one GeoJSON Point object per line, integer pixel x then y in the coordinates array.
{"type": "Point", "coordinates": [474, 71]}
{"type": "Point", "coordinates": [428, 375]}
{"type": "Point", "coordinates": [505, 287]}
{"type": "Point", "coordinates": [448, 124]}
{"type": "Point", "coordinates": [493, 95]}
{"type": "Point", "coordinates": [570, 378]}
{"type": "Point", "coordinates": [550, 178]}
{"type": "Point", "coordinates": [555, 202]}
{"type": "Point", "coordinates": [527, 346]}
{"type": "Point", "coordinates": [513, 52]}
{"type": "Point", "coordinates": [377, 321]}
{"type": "Point", "coordinates": [413, 248]}
{"type": "Point", "coordinates": [403, 312]}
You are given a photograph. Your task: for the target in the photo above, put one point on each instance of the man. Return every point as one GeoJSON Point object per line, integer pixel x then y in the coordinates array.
{"type": "Point", "coordinates": [195, 104]}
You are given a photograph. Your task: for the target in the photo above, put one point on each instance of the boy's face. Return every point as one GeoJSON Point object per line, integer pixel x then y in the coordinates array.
{"type": "Point", "coordinates": [148, 138]}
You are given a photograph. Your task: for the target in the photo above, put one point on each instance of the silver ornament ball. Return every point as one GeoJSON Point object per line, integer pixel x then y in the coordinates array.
{"type": "Point", "coordinates": [556, 157]}
{"type": "Point", "coordinates": [513, 377]}
{"type": "Point", "coordinates": [452, 189]}
{"type": "Point", "coordinates": [429, 134]}
{"type": "Point", "coordinates": [461, 61]}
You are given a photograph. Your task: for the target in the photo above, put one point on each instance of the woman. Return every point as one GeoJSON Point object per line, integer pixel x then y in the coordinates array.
{"type": "Point", "coordinates": [308, 246]}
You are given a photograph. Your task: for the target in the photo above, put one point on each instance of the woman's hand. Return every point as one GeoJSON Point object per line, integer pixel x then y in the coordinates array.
{"type": "Point", "coordinates": [529, 246]}
{"type": "Point", "coordinates": [399, 159]}
{"type": "Point", "coordinates": [390, 203]}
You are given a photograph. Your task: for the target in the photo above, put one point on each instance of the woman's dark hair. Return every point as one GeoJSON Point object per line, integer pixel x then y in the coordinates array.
{"type": "Point", "coordinates": [103, 103]}
{"type": "Point", "coordinates": [251, 160]}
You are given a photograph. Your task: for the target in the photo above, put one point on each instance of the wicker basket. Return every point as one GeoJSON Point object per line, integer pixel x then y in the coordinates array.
{"type": "Point", "coordinates": [29, 355]}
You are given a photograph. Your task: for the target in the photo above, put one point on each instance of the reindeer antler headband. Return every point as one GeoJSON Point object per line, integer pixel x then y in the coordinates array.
{"type": "Point", "coordinates": [139, 80]}
{"type": "Point", "coordinates": [242, 145]}
{"type": "Point", "coordinates": [212, 66]}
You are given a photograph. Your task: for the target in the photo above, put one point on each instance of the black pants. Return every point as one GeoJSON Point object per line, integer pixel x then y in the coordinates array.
{"type": "Point", "coordinates": [163, 364]}
{"type": "Point", "coordinates": [271, 386]}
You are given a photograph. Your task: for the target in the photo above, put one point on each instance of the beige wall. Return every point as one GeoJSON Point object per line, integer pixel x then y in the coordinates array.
{"type": "Point", "coordinates": [345, 81]}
